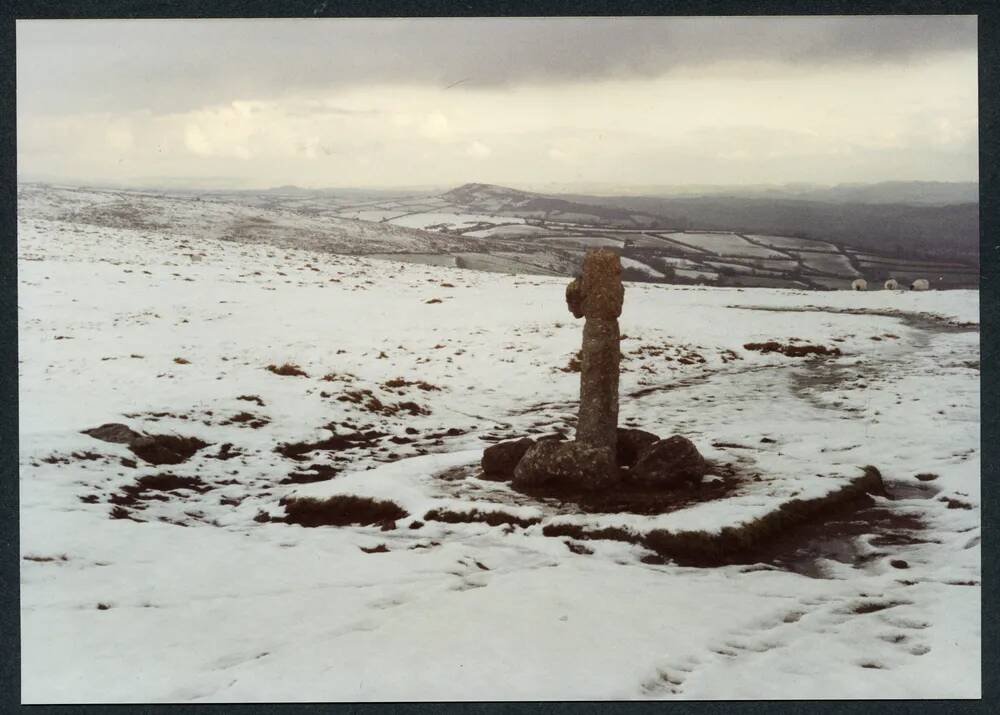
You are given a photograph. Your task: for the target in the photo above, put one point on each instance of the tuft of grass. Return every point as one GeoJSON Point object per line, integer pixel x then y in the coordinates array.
{"type": "Point", "coordinates": [575, 363]}
{"type": "Point", "coordinates": [493, 518]}
{"type": "Point", "coordinates": [791, 350]}
{"type": "Point", "coordinates": [341, 510]}
{"type": "Point", "coordinates": [119, 512]}
{"type": "Point", "coordinates": [708, 549]}
{"type": "Point", "coordinates": [399, 382]}
{"type": "Point", "coordinates": [287, 370]}
{"type": "Point", "coordinates": [182, 361]}
{"type": "Point", "coordinates": [575, 531]}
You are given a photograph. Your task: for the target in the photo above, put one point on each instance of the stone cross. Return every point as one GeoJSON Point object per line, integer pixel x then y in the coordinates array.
{"type": "Point", "coordinates": [597, 296]}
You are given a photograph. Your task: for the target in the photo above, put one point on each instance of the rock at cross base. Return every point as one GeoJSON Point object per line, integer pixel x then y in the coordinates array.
{"type": "Point", "coordinates": [551, 463]}
{"type": "Point", "coordinates": [631, 443]}
{"type": "Point", "coordinates": [500, 459]}
{"type": "Point", "coordinates": [668, 463]}
{"type": "Point", "coordinates": [597, 295]}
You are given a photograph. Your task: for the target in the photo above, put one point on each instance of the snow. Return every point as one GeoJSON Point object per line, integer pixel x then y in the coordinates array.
{"type": "Point", "coordinates": [723, 244]}
{"type": "Point", "coordinates": [201, 603]}
{"type": "Point", "coordinates": [451, 220]}
{"type": "Point", "coordinates": [507, 230]}
{"type": "Point", "coordinates": [789, 242]}
{"type": "Point", "coordinates": [640, 266]}
{"type": "Point", "coordinates": [835, 263]}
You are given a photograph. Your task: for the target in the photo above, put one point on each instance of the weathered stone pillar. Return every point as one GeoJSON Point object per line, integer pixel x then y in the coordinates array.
{"type": "Point", "coordinates": [589, 461]}
{"type": "Point", "coordinates": [597, 296]}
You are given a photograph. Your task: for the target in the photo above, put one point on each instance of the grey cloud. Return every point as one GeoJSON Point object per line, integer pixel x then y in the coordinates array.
{"type": "Point", "coordinates": [171, 66]}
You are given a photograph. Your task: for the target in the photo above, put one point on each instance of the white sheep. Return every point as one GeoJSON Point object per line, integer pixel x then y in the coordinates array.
{"type": "Point", "coordinates": [891, 284]}
{"type": "Point", "coordinates": [859, 284]}
{"type": "Point", "coordinates": [920, 284]}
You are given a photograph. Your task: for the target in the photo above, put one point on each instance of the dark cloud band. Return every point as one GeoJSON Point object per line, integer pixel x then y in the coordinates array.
{"type": "Point", "coordinates": [165, 66]}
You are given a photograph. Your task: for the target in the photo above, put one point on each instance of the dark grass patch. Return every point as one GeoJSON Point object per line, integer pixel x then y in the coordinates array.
{"type": "Point", "coordinates": [371, 403]}
{"type": "Point", "coordinates": [182, 361]}
{"type": "Point", "coordinates": [45, 559]}
{"type": "Point", "coordinates": [431, 545]}
{"type": "Point", "coordinates": [764, 540]}
{"type": "Point", "coordinates": [252, 398]}
{"type": "Point", "coordinates": [314, 473]}
{"type": "Point", "coordinates": [575, 363]}
{"type": "Point", "coordinates": [874, 606]}
{"type": "Point", "coordinates": [493, 518]}
{"type": "Point", "coordinates": [400, 383]}
{"type": "Point", "coordinates": [631, 498]}
{"type": "Point", "coordinates": [955, 503]}
{"type": "Point", "coordinates": [337, 377]}
{"type": "Point", "coordinates": [577, 531]}
{"type": "Point", "coordinates": [167, 482]}
{"type": "Point", "coordinates": [287, 370]}
{"type": "Point", "coordinates": [249, 419]}
{"type": "Point", "coordinates": [340, 510]}
{"type": "Point", "coordinates": [226, 452]}
{"type": "Point", "coordinates": [737, 544]}
{"type": "Point", "coordinates": [120, 512]}
{"type": "Point", "coordinates": [336, 443]}
{"type": "Point", "coordinates": [788, 350]}
{"type": "Point", "coordinates": [380, 549]}
{"type": "Point", "coordinates": [579, 548]}
{"type": "Point", "coordinates": [151, 487]}
{"type": "Point", "coordinates": [927, 477]}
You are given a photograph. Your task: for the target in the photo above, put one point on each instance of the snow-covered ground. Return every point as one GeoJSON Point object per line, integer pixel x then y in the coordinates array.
{"type": "Point", "coordinates": [193, 600]}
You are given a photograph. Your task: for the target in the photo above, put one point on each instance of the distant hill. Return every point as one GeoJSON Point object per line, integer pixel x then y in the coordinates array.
{"type": "Point", "coordinates": [934, 193]}
{"type": "Point", "coordinates": [489, 198]}
{"type": "Point", "coordinates": [903, 219]}
{"type": "Point", "coordinates": [906, 230]}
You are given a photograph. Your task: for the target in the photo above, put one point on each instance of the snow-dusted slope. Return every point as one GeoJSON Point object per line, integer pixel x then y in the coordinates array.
{"type": "Point", "coordinates": [234, 218]}
{"type": "Point", "coordinates": [191, 600]}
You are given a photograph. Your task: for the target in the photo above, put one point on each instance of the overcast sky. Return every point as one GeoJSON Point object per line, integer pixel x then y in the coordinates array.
{"type": "Point", "coordinates": [521, 102]}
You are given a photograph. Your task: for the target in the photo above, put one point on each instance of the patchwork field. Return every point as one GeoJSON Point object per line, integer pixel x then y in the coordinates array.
{"type": "Point", "coordinates": [490, 228]}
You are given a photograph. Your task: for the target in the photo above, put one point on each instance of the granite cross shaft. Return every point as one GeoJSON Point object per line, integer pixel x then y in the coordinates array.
{"type": "Point", "coordinates": [597, 296]}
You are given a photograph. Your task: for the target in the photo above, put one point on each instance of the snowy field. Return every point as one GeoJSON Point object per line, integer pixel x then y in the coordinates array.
{"type": "Point", "coordinates": [723, 244]}
{"type": "Point", "coordinates": [192, 596]}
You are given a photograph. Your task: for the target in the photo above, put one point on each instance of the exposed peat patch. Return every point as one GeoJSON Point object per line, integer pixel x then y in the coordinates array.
{"type": "Point", "coordinates": [493, 518]}
{"type": "Point", "coordinates": [340, 510]}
